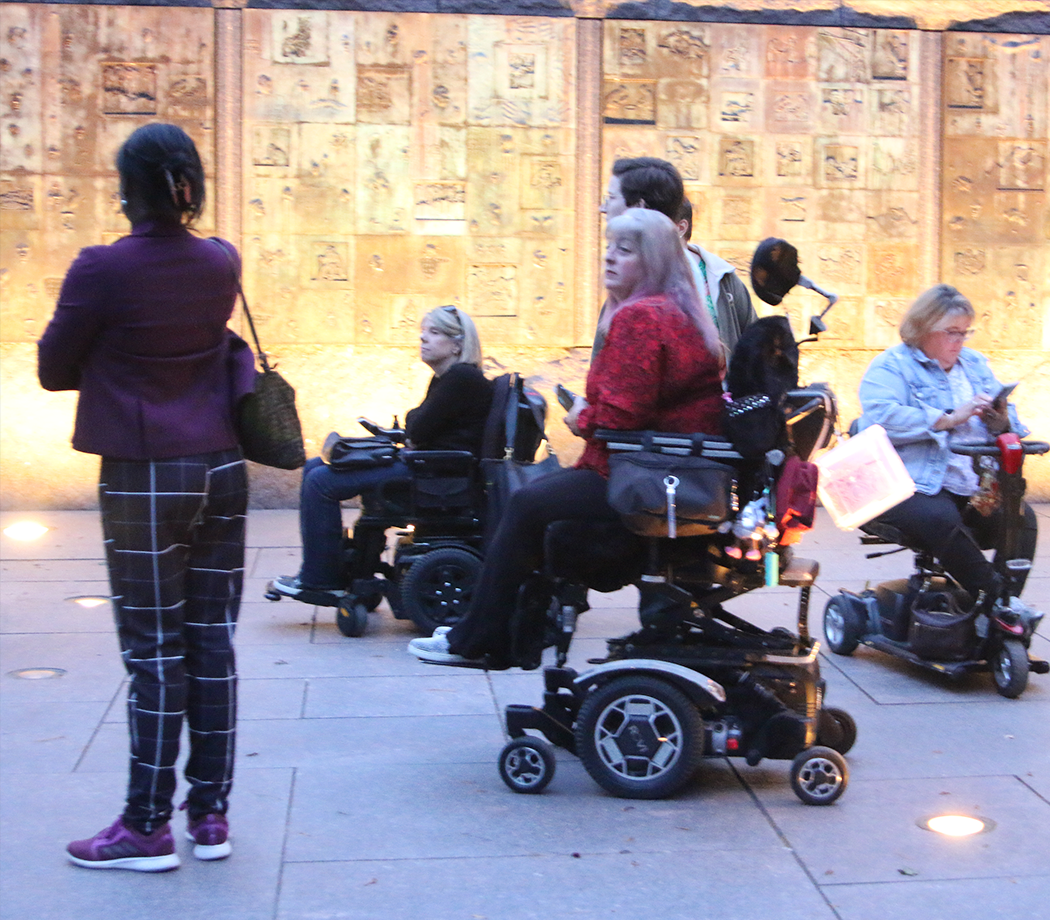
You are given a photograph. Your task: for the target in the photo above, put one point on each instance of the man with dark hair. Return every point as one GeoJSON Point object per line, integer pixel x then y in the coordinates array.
{"type": "Point", "coordinates": [644, 182]}
{"type": "Point", "coordinates": [720, 288]}
{"type": "Point", "coordinates": [656, 185]}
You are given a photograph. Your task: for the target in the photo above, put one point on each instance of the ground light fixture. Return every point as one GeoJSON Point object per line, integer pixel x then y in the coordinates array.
{"type": "Point", "coordinates": [956, 825]}
{"type": "Point", "coordinates": [88, 600]}
{"type": "Point", "coordinates": [24, 531]}
{"type": "Point", "coordinates": [37, 673]}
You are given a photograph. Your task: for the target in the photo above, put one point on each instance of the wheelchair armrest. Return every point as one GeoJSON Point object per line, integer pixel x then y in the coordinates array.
{"type": "Point", "coordinates": [443, 481]}
{"type": "Point", "coordinates": [439, 462]}
{"type": "Point", "coordinates": [695, 444]}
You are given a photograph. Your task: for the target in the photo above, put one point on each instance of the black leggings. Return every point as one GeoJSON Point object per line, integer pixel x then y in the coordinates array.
{"type": "Point", "coordinates": [517, 550]}
{"type": "Point", "coordinates": [945, 525]}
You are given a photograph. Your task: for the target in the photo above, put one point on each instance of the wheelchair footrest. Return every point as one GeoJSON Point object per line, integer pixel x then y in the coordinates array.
{"type": "Point", "coordinates": [800, 573]}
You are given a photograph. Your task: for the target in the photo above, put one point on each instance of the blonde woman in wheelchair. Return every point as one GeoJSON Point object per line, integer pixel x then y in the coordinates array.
{"type": "Point", "coordinates": [451, 417]}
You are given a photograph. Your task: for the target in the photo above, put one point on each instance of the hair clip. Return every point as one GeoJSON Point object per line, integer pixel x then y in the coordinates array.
{"type": "Point", "coordinates": [176, 188]}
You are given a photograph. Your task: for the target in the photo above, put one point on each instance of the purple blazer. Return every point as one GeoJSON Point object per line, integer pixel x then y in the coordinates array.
{"type": "Point", "coordinates": [140, 330]}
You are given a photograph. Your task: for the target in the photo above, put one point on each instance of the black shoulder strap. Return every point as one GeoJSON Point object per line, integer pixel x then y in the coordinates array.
{"type": "Point", "coordinates": [244, 301]}
{"type": "Point", "coordinates": [511, 423]}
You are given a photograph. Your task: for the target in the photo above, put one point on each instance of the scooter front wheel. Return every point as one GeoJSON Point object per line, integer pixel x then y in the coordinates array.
{"type": "Point", "coordinates": [842, 625]}
{"type": "Point", "coordinates": [1010, 668]}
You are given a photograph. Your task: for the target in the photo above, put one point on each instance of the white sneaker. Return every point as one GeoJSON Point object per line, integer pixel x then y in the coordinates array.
{"type": "Point", "coordinates": [435, 649]}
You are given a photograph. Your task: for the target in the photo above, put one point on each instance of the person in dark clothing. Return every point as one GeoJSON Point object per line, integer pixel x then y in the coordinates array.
{"type": "Point", "coordinates": [452, 417]}
{"type": "Point", "coordinates": [658, 369]}
{"type": "Point", "coordinates": [720, 288]}
{"type": "Point", "coordinates": [140, 330]}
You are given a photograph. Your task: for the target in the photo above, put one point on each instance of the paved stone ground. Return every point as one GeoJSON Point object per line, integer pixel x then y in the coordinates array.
{"type": "Point", "coordinates": [367, 783]}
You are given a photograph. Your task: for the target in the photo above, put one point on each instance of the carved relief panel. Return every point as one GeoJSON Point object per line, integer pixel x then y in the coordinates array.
{"type": "Point", "coordinates": [995, 232]}
{"type": "Point", "coordinates": [367, 127]}
{"type": "Point", "coordinates": [75, 81]}
{"type": "Point", "coordinates": [807, 133]}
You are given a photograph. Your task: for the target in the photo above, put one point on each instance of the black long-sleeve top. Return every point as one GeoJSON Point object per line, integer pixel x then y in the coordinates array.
{"type": "Point", "coordinates": [453, 414]}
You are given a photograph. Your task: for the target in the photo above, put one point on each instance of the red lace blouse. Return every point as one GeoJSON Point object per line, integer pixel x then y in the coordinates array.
{"type": "Point", "coordinates": [654, 372]}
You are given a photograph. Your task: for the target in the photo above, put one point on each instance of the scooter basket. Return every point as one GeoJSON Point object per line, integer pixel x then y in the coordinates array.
{"type": "Point", "coordinates": [940, 631]}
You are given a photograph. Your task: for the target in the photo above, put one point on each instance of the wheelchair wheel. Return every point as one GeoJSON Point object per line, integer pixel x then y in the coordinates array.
{"type": "Point", "coordinates": [836, 729]}
{"type": "Point", "coordinates": [842, 626]}
{"type": "Point", "coordinates": [438, 586]}
{"type": "Point", "coordinates": [1010, 669]}
{"type": "Point", "coordinates": [527, 765]}
{"type": "Point", "coordinates": [819, 775]}
{"type": "Point", "coordinates": [639, 737]}
{"type": "Point", "coordinates": [351, 617]}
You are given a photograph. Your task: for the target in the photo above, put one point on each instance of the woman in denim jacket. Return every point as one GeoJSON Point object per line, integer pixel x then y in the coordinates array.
{"type": "Point", "coordinates": [929, 392]}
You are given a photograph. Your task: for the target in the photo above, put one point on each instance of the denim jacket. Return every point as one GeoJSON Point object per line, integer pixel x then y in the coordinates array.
{"type": "Point", "coordinates": [906, 392]}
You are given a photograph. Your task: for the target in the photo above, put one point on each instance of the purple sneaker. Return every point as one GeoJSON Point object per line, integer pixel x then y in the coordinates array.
{"type": "Point", "coordinates": [210, 835]}
{"type": "Point", "coordinates": [122, 847]}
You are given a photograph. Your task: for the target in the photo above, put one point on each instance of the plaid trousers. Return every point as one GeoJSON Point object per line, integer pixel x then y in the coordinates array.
{"type": "Point", "coordinates": [174, 537]}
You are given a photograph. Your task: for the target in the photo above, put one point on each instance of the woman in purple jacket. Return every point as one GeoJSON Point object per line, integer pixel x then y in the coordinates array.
{"type": "Point", "coordinates": [140, 331]}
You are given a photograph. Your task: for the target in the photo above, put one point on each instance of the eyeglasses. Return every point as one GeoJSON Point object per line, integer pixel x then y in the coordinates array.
{"type": "Point", "coordinates": [956, 335]}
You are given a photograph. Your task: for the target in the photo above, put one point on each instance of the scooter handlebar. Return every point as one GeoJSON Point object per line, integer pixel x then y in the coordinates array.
{"type": "Point", "coordinates": [992, 450]}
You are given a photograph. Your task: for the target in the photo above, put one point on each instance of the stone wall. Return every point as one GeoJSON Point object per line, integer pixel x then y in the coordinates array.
{"type": "Point", "coordinates": [371, 165]}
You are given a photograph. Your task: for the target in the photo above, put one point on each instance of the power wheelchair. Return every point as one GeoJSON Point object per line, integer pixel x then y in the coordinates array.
{"type": "Point", "coordinates": [438, 513]}
{"type": "Point", "coordinates": [695, 680]}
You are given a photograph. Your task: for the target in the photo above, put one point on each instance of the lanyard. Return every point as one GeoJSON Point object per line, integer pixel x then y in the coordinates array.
{"type": "Point", "coordinates": [707, 294]}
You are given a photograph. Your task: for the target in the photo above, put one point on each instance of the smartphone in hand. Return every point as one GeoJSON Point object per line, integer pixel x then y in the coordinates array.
{"type": "Point", "coordinates": [566, 398]}
{"type": "Point", "coordinates": [1003, 395]}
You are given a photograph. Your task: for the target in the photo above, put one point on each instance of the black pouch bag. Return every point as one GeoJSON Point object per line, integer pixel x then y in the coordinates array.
{"type": "Point", "coordinates": [667, 495]}
{"type": "Point", "coordinates": [345, 453]}
{"type": "Point", "coordinates": [939, 630]}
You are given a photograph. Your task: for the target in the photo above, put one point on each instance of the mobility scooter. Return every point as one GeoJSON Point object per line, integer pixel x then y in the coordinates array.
{"type": "Point", "coordinates": [439, 516]}
{"type": "Point", "coordinates": [928, 619]}
{"type": "Point", "coordinates": [695, 680]}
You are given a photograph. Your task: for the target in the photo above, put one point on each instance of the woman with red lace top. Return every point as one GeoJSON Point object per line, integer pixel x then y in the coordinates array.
{"type": "Point", "coordinates": [657, 369]}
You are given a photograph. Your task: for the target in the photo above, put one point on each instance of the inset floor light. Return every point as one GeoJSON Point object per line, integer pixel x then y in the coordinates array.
{"type": "Point", "coordinates": [88, 600]}
{"type": "Point", "coordinates": [25, 530]}
{"type": "Point", "coordinates": [956, 825]}
{"type": "Point", "coordinates": [37, 673]}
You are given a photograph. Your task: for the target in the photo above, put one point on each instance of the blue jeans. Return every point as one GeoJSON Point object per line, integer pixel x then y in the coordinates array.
{"type": "Point", "coordinates": [321, 519]}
